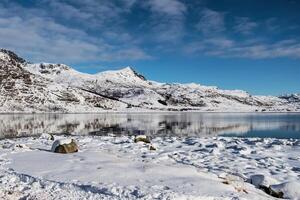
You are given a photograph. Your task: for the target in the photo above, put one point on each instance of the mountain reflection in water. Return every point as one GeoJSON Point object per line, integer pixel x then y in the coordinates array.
{"type": "Point", "coordinates": [153, 124]}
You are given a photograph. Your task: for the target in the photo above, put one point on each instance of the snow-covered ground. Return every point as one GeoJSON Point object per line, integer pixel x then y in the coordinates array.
{"type": "Point", "coordinates": [110, 167]}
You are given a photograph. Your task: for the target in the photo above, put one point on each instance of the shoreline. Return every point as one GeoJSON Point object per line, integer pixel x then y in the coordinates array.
{"type": "Point", "coordinates": [151, 112]}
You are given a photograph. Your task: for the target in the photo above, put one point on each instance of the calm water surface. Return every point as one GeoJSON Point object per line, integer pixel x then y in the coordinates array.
{"type": "Point", "coordinates": [153, 124]}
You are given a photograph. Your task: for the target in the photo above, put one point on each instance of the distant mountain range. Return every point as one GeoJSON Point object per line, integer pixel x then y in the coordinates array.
{"type": "Point", "coordinates": [45, 87]}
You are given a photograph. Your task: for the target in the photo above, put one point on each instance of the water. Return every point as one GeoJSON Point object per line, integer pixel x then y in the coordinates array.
{"type": "Point", "coordinates": [153, 124]}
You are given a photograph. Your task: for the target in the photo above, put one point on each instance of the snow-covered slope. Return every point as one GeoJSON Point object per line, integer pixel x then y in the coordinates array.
{"type": "Point", "coordinates": [23, 91]}
{"type": "Point", "coordinates": [57, 87]}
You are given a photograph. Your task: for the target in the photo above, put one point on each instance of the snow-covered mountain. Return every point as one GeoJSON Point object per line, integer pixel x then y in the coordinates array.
{"type": "Point", "coordinates": [23, 91]}
{"type": "Point", "coordinates": [45, 87]}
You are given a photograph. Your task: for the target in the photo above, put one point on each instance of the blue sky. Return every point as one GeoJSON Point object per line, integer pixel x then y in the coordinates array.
{"type": "Point", "coordinates": [252, 45]}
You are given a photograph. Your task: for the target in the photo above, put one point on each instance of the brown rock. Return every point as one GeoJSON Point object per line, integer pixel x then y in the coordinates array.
{"type": "Point", "coordinates": [142, 138]}
{"type": "Point", "coordinates": [67, 148]}
{"type": "Point", "coordinates": [152, 148]}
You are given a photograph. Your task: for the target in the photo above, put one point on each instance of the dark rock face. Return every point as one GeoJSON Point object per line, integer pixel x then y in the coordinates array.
{"type": "Point", "coordinates": [291, 97]}
{"type": "Point", "coordinates": [138, 75]}
{"type": "Point", "coordinates": [52, 68]}
{"type": "Point", "coordinates": [16, 83]}
{"type": "Point", "coordinates": [162, 102]}
{"type": "Point", "coordinates": [258, 180]}
{"type": "Point", "coordinates": [271, 192]}
{"type": "Point", "coordinates": [13, 57]}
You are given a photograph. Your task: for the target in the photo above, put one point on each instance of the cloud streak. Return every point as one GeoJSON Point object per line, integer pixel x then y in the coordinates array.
{"type": "Point", "coordinates": [41, 38]}
{"type": "Point", "coordinates": [217, 39]}
{"type": "Point", "coordinates": [244, 25]}
{"type": "Point", "coordinates": [167, 20]}
{"type": "Point", "coordinates": [226, 48]}
{"type": "Point", "coordinates": [211, 22]}
{"type": "Point", "coordinates": [168, 7]}
{"type": "Point", "coordinates": [76, 32]}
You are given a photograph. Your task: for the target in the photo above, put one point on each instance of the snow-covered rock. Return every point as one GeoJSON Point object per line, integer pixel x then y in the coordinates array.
{"type": "Point", "coordinates": [290, 190]}
{"type": "Point", "coordinates": [64, 146]}
{"type": "Point", "coordinates": [142, 138]}
{"type": "Point", "coordinates": [46, 87]}
{"type": "Point", "coordinates": [260, 180]}
{"type": "Point", "coordinates": [257, 180]}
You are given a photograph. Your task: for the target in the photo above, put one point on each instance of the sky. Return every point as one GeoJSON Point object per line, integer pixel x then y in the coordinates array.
{"type": "Point", "coordinates": [253, 45]}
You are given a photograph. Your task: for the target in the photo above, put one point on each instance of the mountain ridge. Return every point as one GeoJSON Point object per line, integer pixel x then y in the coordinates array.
{"type": "Point", "coordinates": [47, 87]}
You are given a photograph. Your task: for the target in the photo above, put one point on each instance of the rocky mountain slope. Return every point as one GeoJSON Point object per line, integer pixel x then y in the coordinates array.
{"type": "Point", "coordinates": [44, 87]}
{"type": "Point", "coordinates": [23, 91]}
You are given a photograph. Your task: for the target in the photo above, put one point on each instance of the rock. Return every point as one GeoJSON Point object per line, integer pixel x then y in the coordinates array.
{"type": "Point", "coordinates": [22, 146]}
{"type": "Point", "coordinates": [47, 136]}
{"type": "Point", "coordinates": [142, 138]}
{"type": "Point", "coordinates": [162, 102]}
{"type": "Point", "coordinates": [261, 180]}
{"type": "Point", "coordinates": [289, 190]}
{"type": "Point", "coordinates": [257, 180]}
{"type": "Point", "coordinates": [152, 148]}
{"type": "Point", "coordinates": [64, 146]}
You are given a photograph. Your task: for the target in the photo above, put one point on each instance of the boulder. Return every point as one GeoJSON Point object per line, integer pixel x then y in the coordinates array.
{"type": "Point", "coordinates": [262, 182]}
{"type": "Point", "coordinates": [289, 190]}
{"type": "Point", "coordinates": [64, 146]}
{"type": "Point", "coordinates": [152, 148]}
{"type": "Point", "coordinates": [142, 138]}
{"type": "Point", "coordinates": [258, 180]}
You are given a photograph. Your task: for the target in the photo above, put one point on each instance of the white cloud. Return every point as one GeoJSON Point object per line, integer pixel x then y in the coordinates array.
{"type": "Point", "coordinates": [76, 31]}
{"type": "Point", "coordinates": [271, 24]}
{"type": "Point", "coordinates": [220, 42]}
{"type": "Point", "coordinates": [211, 22]}
{"type": "Point", "coordinates": [256, 50]}
{"type": "Point", "coordinates": [268, 50]}
{"type": "Point", "coordinates": [88, 13]}
{"type": "Point", "coordinates": [216, 41]}
{"type": "Point", "coordinates": [169, 7]}
{"type": "Point", "coordinates": [167, 23]}
{"type": "Point", "coordinates": [244, 25]}
{"type": "Point", "coordinates": [39, 37]}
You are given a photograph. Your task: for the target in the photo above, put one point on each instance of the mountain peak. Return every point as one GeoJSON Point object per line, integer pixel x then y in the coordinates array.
{"type": "Point", "coordinates": [130, 69]}
{"type": "Point", "coordinates": [10, 55]}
